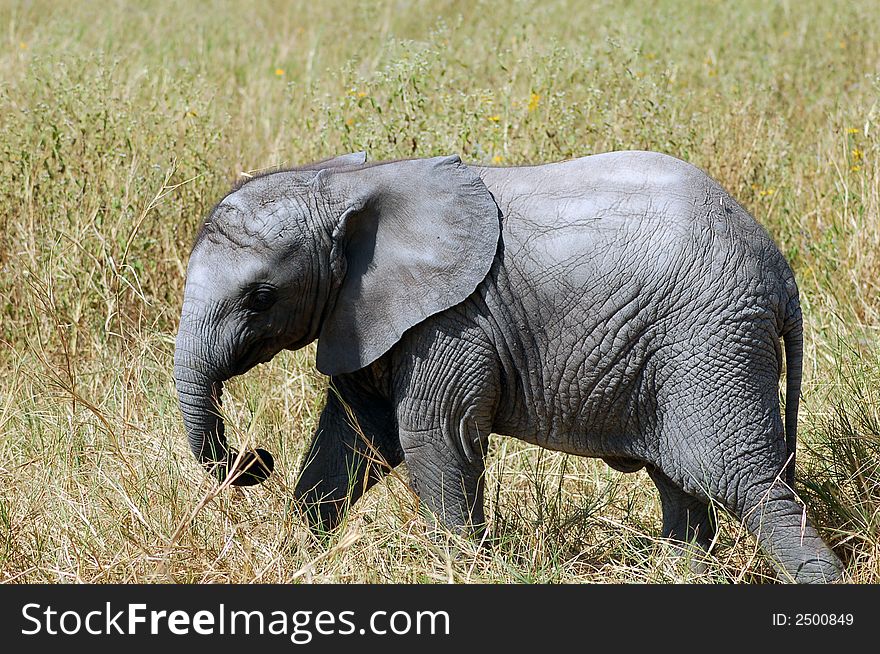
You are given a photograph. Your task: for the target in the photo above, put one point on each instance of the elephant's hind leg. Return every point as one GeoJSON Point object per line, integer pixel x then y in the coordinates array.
{"type": "Point", "coordinates": [686, 519]}
{"type": "Point", "coordinates": [779, 523]}
{"type": "Point", "coordinates": [724, 442]}
{"type": "Point", "coordinates": [747, 481]}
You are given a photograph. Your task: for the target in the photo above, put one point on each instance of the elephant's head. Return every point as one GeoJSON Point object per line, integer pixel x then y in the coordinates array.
{"type": "Point", "coordinates": [349, 254]}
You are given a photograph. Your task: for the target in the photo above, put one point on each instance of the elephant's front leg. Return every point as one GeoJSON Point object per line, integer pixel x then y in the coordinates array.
{"type": "Point", "coordinates": [444, 433]}
{"type": "Point", "coordinates": [448, 483]}
{"type": "Point", "coordinates": [446, 385]}
{"type": "Point", "coordinates": [355, 445]}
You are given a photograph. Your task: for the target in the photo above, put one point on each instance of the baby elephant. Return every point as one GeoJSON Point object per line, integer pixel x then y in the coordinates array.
{"type": "Point", "coordinates": [620, 306]}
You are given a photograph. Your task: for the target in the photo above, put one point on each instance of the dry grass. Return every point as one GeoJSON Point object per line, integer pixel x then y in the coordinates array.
{"type": "Point", "coordinates": [122, 123]}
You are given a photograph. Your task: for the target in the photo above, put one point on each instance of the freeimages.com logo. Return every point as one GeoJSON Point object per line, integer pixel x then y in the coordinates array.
{"type": "Point", "coordinates": [299, 626]}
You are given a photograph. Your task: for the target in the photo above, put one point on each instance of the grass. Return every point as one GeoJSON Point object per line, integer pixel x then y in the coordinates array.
{"type": "Point", "coordinates": [122, 124]}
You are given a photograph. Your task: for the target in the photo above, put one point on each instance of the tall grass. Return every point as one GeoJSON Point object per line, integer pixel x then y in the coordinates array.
{"type": "Point", "coordinates": [122, 123]}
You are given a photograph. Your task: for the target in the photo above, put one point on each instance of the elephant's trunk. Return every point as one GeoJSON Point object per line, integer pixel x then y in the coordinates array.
{"type": "Point", "coordinates": [199, 397]}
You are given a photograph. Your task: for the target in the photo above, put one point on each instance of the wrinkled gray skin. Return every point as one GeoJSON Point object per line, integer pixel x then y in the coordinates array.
{"type": "Point", "coordinates": [620, 306]}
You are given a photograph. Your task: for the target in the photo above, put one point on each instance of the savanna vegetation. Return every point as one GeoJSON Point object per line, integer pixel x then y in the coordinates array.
{"type": "Point", "coordinates": [122, 123]}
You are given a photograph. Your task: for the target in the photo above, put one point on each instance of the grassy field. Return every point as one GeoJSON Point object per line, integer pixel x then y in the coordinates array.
{"type": "Point", "coordinates": [123, 123]}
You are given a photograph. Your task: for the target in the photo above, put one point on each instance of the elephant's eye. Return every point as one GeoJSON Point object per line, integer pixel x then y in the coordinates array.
{"type": "Point", "coordinates": [263, 298]}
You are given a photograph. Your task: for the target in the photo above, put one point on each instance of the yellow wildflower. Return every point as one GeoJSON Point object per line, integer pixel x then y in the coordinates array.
{"type": "Point", "coordinates": [497, 159]}
{"type": "Point", "coordinates": [852, 130]}
{"type": "Point", "coordinates": [856, 154]}
{"type": "Point", "coordinates": [495, 118]}
{"type": "Point", "coordinates": [22, 45]}
{"type": "Point", "coordinates": [534, 101]}
{"type": "Point", "coordinates": [279, 72]}
{"type": "Point", "coordinates": [855, 169]}
{"type": "Point", "coordinates": [362, 94]}
{"type": "Point", "coordinates": [349, 121]}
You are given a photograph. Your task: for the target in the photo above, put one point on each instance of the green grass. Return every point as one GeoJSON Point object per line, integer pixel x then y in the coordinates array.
{"type": "Point", "coordinates": [122, 124]}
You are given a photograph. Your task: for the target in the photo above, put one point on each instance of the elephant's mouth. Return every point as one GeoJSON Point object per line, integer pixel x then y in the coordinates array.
{"type": "Point", "coordinates": [297, 344]}
{"type": "Point", "coordinates": [260, 351]}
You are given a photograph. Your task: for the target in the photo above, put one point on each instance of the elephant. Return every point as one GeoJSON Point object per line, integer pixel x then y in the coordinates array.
{"type": "Point", "coordinates": [621, 306]}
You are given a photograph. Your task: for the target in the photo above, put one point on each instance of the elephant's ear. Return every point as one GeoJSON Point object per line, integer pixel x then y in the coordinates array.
{"type": "Point", "coordinates": [353, 159]}
{"type": "Point", "coordinates": [413, 238]}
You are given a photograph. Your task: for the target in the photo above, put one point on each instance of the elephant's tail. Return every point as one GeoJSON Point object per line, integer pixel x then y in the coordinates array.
{"type": "Point", "coordinates": [793, 337]}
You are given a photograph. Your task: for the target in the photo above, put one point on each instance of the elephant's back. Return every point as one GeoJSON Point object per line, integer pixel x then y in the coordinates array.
{"type": "Point", "coordinates": [633, 190]}
{"type": "Point", "coordinates": [643, 212]}
{"type": "Point", "coordinates": [633, 169]}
